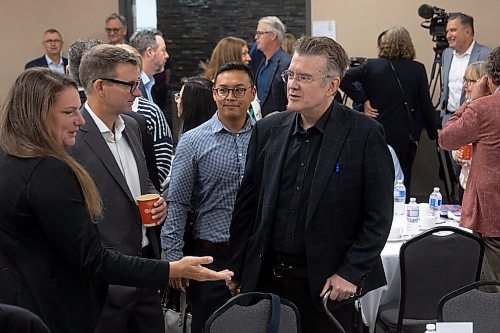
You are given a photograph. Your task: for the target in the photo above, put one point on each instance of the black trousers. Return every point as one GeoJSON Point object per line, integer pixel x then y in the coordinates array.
{"type": "Point", "coordinates": [206, 297]}
{"type": "Point", "coordinates": [131, 310]}
{"type": "Point", "coordinates": [313, 319]}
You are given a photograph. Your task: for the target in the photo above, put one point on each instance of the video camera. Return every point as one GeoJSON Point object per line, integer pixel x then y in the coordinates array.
{"type": "Point", "coordinates": [435, 20]}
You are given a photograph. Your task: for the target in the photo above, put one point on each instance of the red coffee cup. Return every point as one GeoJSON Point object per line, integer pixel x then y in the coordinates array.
{"type": "Point", "coordinates": [466, 152]}
{"type": "Point", "coordinates": [146, 205]}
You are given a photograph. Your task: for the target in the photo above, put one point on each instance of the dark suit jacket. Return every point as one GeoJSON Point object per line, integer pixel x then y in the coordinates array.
{"type": "Point", "coordinates": [120, 227]}
{"type": "Point", "coordinates": [42, 62]}
{"type": "Point", "coordinates": [479, 52]}
{"type": "Point", "coordinates": [349, 211]}
{"type": "Point", "coordinates": [51, 258]}
{"type": "Point", "coordinates": [380, 86]}
{"type": "Point", "coordinates": [274, 97]}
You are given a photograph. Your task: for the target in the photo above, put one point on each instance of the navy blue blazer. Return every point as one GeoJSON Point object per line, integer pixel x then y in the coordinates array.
{"type": "Point", "coordinates": [349, 210]}
{"type": "Point", "coordinates": [275, 93]}
{"type": "Point", "coordinates": [42, 62]}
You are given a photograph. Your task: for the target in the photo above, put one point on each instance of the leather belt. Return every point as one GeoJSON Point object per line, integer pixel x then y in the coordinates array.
{"type": "Point", "coordinates": [208, 245]}
{"type": "Point", "coordinates": [284, 267]}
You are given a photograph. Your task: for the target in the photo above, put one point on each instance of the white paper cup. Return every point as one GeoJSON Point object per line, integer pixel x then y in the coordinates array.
{"type": "Point", "coordinates": [395, 232]}
{"type": "Point", "coordinates": [424, 209]}
{"type": "Point", "coordinates": [427, 221]}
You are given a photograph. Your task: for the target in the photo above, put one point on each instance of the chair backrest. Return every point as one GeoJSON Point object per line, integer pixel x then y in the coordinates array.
{"type": "Point", "coordinates": [434, 263]}
{"type": "Point", "coordinates": [470, 304]}
{"type": "Point", "coordinates": [16, 319]}
{"type": "Point", "coordinates": [252, 313]}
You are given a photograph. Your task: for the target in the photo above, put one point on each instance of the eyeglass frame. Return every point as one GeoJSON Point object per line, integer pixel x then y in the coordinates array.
{"type": "Point", "coordinates": [262, 33]}
{"type": "Point", "coordinates": [469, 81]}
{"type": "Point", "coordinates": [132, 84]}
{"type": "Point", "coordinates": [301, 77]}
{"type": "Point", "coordinates": [233, 90]}
{"type": "Point", "coordinates": [112, 30]}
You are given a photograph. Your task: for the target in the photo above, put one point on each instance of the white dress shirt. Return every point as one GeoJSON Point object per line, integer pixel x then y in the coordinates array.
{"type": "Point", "coordinates": [459, 64]}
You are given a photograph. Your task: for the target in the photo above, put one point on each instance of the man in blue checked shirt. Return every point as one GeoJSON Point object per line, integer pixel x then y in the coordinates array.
{"type": "Point", "coordinates": [207, 171]}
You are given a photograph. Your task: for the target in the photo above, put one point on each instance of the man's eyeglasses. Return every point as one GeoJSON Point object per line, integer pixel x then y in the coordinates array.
{"type": "Point", "coordinates": [53, 41]}
{"type": "Point", "coordinates": [260, 33]}
{"type": "Point", "coordinates": [112, 30]}
{"type": "Point", "coordinates": [237, 92]}
{"type": "Point", "coordinates": [132, 84]}
{"type": "Point", "coordinates": [299, 77]}
{"type": "Point", "coordinates": [469, 81]}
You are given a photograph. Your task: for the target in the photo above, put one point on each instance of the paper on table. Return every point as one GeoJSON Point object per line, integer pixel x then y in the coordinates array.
{"type": "Point", "coordinates": [454, 327]}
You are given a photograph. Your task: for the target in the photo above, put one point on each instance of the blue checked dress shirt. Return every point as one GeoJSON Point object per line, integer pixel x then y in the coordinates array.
{"type": "Point", "coordinates": [209, 162]}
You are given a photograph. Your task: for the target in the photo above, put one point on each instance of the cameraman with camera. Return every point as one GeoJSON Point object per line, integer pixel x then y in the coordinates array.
{"type": "Point", "coordinates": [462, 51]}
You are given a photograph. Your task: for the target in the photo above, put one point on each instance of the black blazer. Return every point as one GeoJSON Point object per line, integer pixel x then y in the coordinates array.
{"type": "Point", "coordinates": [42, 62]}
{"type": "Point", "coordinates": [274, 96]}
{"type": "Point", "coordinates": [380, 86]}
{"type": "Point", "coordinates": [349, 211]}
{"type": "Point", "coordinates": [51, 258]}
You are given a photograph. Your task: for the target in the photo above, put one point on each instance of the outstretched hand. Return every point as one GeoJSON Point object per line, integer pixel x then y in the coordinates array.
{"type": "Point", "coordinates": [191, 268]}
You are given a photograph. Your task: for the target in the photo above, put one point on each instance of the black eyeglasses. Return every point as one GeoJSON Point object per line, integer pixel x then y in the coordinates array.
{"type": "Point", "coordinates": [132, 84]}
{"type": "Point", "coordinates": [237, 92]}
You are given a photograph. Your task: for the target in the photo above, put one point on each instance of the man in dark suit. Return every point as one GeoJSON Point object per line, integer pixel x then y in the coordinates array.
{"type": "Point", "coordinates": [271, 90]}
{"type": "Point", "coordinates": [109, 147]}
{"type": "Point", "coordinates": [53, 59]}
{"type": "Point", "coordinates": [462, 51]}
{"type": "Point", "coordinates": [315, 206]}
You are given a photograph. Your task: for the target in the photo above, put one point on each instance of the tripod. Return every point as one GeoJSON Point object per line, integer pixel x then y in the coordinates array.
{"type": "Point", "coordinates": [446, 171]}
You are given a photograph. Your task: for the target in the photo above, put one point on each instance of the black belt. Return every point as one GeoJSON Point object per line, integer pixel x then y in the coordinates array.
{"type": "Point", "coordinates": [448, 112]}
{"type": "Point", "coordinates": [283, 268]}
{"type": "Point", "coordinates": [208, 245]}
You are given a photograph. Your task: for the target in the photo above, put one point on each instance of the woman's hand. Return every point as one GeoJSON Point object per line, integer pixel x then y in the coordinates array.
{"type": "Point", "coordinates": [190, 268]}
{"type": "Point", "coordinates": [369, 111]}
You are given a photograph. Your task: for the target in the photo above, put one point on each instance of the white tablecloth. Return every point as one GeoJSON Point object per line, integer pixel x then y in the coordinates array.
{"type": "Point", "coordinates": [391, 292]}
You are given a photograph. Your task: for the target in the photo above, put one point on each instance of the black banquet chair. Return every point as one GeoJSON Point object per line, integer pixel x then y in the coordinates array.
{"type": "Point", "coordinates": [14, 319]}
{"type": "Point", "coordinates": [255, 313]}
{"type": "Point", "coordinates": [432, 264]}
{"type": "Point", "coordinates": [470, 304]}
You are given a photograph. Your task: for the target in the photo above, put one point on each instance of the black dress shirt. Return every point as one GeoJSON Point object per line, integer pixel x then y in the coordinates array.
{"type": "Point", "coordinates": [295, 184]}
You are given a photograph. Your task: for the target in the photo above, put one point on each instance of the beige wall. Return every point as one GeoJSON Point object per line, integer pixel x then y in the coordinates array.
{"type": "Point", "coordinates": [22, 23]}
{"type": "Point", "coordinates": [359, 22]}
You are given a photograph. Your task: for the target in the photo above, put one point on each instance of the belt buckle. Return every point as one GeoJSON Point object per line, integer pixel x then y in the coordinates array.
{"type": "Point", "coordinates": [280, 268]}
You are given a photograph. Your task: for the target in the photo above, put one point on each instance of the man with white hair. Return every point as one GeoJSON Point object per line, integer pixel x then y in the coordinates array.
{"type": "Point", "coordinates": [271, 90]}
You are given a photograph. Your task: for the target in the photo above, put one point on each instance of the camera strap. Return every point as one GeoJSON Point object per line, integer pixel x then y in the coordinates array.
{"type": "Point", "coordinates": [409, 110]}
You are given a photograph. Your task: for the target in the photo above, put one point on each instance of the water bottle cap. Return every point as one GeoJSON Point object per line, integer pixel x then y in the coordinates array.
{"type": "Point", "coordinates": [413, 199]}
{"type": "Point", "coordinates": [430, 327]}
{"type": "Point", "coordinates": [436, 189]}
{"type": "Point", "coordinates": [399, 181]}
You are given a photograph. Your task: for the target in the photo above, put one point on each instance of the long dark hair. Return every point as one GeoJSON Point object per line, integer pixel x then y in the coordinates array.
{"type": "Point", "coordinates": [197, 102]}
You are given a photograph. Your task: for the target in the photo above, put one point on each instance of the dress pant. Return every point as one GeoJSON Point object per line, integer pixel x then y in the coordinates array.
{"type": "Point", "coordinates": [206, 297]}
{"type": "Point", "coordinates": [131, 310]}
{"type": "Point", "coordinates": [491, 262]}
{"type": "Point", "coordinates": [313, 319]}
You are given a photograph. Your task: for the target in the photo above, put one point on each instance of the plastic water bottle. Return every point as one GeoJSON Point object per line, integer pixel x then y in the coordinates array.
{"type": "Point", "coordinates": [435, 200]}
{"type": "Point", "coordinates": [412, 217]}
{"type": "Point", "coordinates": [399, 198]}
{"type": "Point", "coordinates": [430, 328]}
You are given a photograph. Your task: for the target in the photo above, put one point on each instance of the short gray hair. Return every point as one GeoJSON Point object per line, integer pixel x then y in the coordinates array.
{"type": "Point", "coordinates": [75, 54]}
{"type": "Point", "coordinates": [117, 16]}
{"type": "Point", "coordinates": [101, 62]}
{"type": "Point", "coordinates": [275, 25]}
{"type": "Point", "coordinates": [335, 55]}
{"type": "Point", "coordinates": [143, 39]}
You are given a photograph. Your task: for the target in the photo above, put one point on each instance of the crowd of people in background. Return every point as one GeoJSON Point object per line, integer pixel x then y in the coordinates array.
{"type": "Point", "coordinates": [274, 185]}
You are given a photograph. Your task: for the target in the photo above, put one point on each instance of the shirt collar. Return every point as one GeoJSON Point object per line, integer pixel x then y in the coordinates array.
{"type": "Point", "coordinates": [466, 53]}
{"type": "Point", "coordinates": [146, 80]}
{"type": "Point", "coordinates": [320, 125]}
{"type": "Point", "coordinates": [218, 126]}
{"type": "Point", "coordinates": [119, 124]}
{"type": "Point", "coordinates": [50, 62]}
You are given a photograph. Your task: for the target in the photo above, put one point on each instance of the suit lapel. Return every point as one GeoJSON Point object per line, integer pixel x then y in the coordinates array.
{"type": "Point", "coordinates": [269, 83]}
{"type": "Point", "coordinates": [93, 138]}
{"type": "Point", "coordinates": [334, 138]}
{"type": "Point", "coordinates": [278, 145]}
